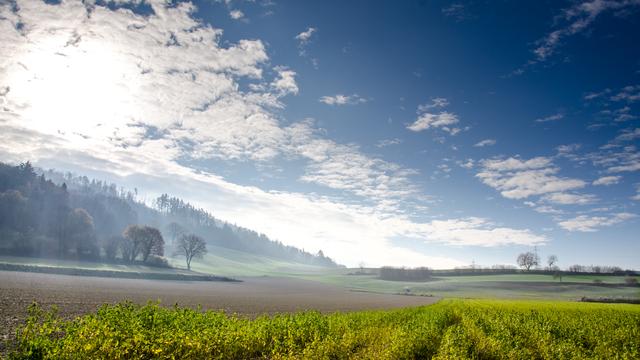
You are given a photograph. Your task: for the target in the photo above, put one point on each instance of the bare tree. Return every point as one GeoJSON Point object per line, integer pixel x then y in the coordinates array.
{"type": "Point", "coordinates": [191, 246]}
{"type": "Point", "coordinates": [528, 260]}
{"type": "Point", "coordinates": [552, 262]}
{"type": "Point", "coordinates": [143, 240]}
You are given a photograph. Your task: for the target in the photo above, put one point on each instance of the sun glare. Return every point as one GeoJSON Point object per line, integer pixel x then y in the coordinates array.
{"type": "Point", "coordinates": [84, 89]}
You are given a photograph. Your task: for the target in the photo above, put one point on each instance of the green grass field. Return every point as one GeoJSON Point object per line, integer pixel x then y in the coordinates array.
{"type": "Point", "coordinates": [228, 262]}
{"type": "Point", "coordinates": [512, 286]}
{"type": "Point", "coordinates": [232, 263]}
{"type": "Point", "coordinates": [86, 265]}
{"type": "Point", "coordinates": [451, 329]}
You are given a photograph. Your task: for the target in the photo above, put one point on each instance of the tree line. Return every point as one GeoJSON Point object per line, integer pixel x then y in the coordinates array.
{"type": "Point", "coordinates": [55, 215]}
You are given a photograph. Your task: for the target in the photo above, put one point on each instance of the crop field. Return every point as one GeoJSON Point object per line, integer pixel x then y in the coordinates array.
{"type": "Point", "coordinates": [79, 295]}
{"type": "Point", "coordinates": [450, 329]}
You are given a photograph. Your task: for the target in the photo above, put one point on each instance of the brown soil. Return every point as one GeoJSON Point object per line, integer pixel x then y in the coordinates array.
{"type": "Point", "coordinates": [78, 295]}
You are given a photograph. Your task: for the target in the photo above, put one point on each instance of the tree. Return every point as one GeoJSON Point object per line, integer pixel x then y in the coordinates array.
{"type": "Point", "coordinates": [142, 240]}
{"type": "Point", "coordinates": [191, 246]}
{"type": "Point", "coordinates": [528, 260]}
{"type": "Point", "coordinates": [175, 230]}
{"type": "Point", "coordinates": [552, 260]}
{"type": "Point", "coordinates": [110, 246]}
{"type": "Point", "coordinates": [80, 233]}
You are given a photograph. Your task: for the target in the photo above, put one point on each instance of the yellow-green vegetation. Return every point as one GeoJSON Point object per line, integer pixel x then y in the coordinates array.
{"type": "Point", "coordinates": [452, 329]}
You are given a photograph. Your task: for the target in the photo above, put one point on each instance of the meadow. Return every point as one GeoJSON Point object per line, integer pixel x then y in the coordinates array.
{"type": "Point", "coordinates": [509, 286]}
{"type": "Point", "coordinates": [450, 329]}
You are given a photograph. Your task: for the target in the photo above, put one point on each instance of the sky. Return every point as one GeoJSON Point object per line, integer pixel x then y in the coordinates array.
{"type": "Point", "coordinates": [404, 133]}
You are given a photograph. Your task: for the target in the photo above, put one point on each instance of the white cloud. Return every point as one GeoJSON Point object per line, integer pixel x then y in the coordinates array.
{"type": "Point", "coordinates": [456, 11]}
{"type": "Point", "coordinates": [341, 99]}
{"type": "Point", "coordinates": [629, 93]}
{"type": "Point", "coordinates": [485, 142]}
{"type": "Point", "coordinates": [428, 120]}
{"type": "Point", "coordinates": [607, 180]}
{"type": "Point", "coordinates": [554, 117]}
{"type": "Point", "coordinates": [636, 197]}
{"type": "Point", "coordinates": [595, 95]}
{"type": "Point", "coordinates": [467, 164]}
{"type": "Point", "coordinates": [285, 82]}
{"type": "Point", "coordinates": [176, 78]}
{"type": "Point", "coordinates": [570, 199]}
{"type": "Point", "coordinates": [305, 36]}
{"type": "Point", "coordinates": [83, 93]}
{"type": "Point", "coordinates": [623, 114]}
{"type": "Point", "coordinates": [347, 232]}
{"type": "Point", "coordinates": [520, 179]}
{"type": "Point", "coordinates": [586, 223]}
{"type": "Point", "coordinates": [441, 120]}
{"type": "Point", "coordinates": [388, 142]}
{"type": "Point", "coordinates": [617, 156]}
{"type": "Point", "coordinates": [435, 103]}
{"type": "Point", "coordinates": [478, 232]}
{"type": "Point", "coordinates": [543, 209]}
{"type": "Point", "coordinates": [236, 14]}
{"type": "Point", "coordinates": [577, 19]}
{"type": "Point", "coordinates": [628, 135]}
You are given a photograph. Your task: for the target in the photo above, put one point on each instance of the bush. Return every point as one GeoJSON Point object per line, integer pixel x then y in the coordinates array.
{"type": "Point", "coordinates": [631, 281]}
{"type": "Point", "coordinates": [157, 261]}
{"type": "Point", "coordinates": [404, 274]}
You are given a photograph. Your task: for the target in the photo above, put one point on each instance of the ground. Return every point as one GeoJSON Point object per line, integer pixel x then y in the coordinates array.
{"type": "Point", "coordinates": [271, 285]}
{"type": "Point", "coordinates": [77, 295]}
{"type": "Point", "coordinates": [512, 286]}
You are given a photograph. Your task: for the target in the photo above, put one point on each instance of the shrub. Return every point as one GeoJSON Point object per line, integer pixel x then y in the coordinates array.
{"type": "Point", "coordinates": [157, 261]}
{"type": "Point", "coordinates": [631, 281]}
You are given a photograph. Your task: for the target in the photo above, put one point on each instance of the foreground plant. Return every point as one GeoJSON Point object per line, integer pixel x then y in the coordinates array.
{"type": "Point", "coordinates": [447, 330]}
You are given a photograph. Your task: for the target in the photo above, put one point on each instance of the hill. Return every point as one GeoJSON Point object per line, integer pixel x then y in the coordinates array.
{"type": "Point", "coordinates": [64, 216]}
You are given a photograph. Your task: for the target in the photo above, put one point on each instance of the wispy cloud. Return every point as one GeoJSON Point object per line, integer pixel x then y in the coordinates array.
{"type": "Point", "coordinates": [206, 100]}
{"type": "Point", "coordinates": [607, 180]}
{"type": "Point", "coordinates": [577, 19]}
{"type": "Point", "coordinates": [519, 179]}
{"type": "Point", "coordinates": [584, 223]}
{"type": "Point", "coordinates": [485, 142]}
{"type": "Point", "coordinates": [563, 198]}
{"type": "Point", "coordinates": [340, 99]}
{"type": "Point", "coordinates": [554, 117]}
{"type": "Point", "coordinates": [304, 38]}
{"type": "Point", "coordinates": [636, 197]}
{"type": "Point", "coordinates": [388, 142]}
{"type": "Point", "coordinates": [572, 21]}
{"type": "Point", "coordinates": [629, 94]}
{"type": "Point", "coordinates": [596, 95]}
{"type": "Point", "coordinates": [456, 11]}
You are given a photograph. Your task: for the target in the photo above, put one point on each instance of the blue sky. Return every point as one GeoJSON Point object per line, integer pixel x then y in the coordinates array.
{"type": "Point", "coordinates": [391, 133]}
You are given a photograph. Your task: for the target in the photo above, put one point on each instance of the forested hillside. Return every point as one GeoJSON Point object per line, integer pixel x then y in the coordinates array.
{"type": "Point", "coordinates": [50, 214]}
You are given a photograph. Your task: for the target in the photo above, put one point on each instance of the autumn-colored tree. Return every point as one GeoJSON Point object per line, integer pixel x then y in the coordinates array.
{"type": "Point", "coordinates": [142, 240]}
